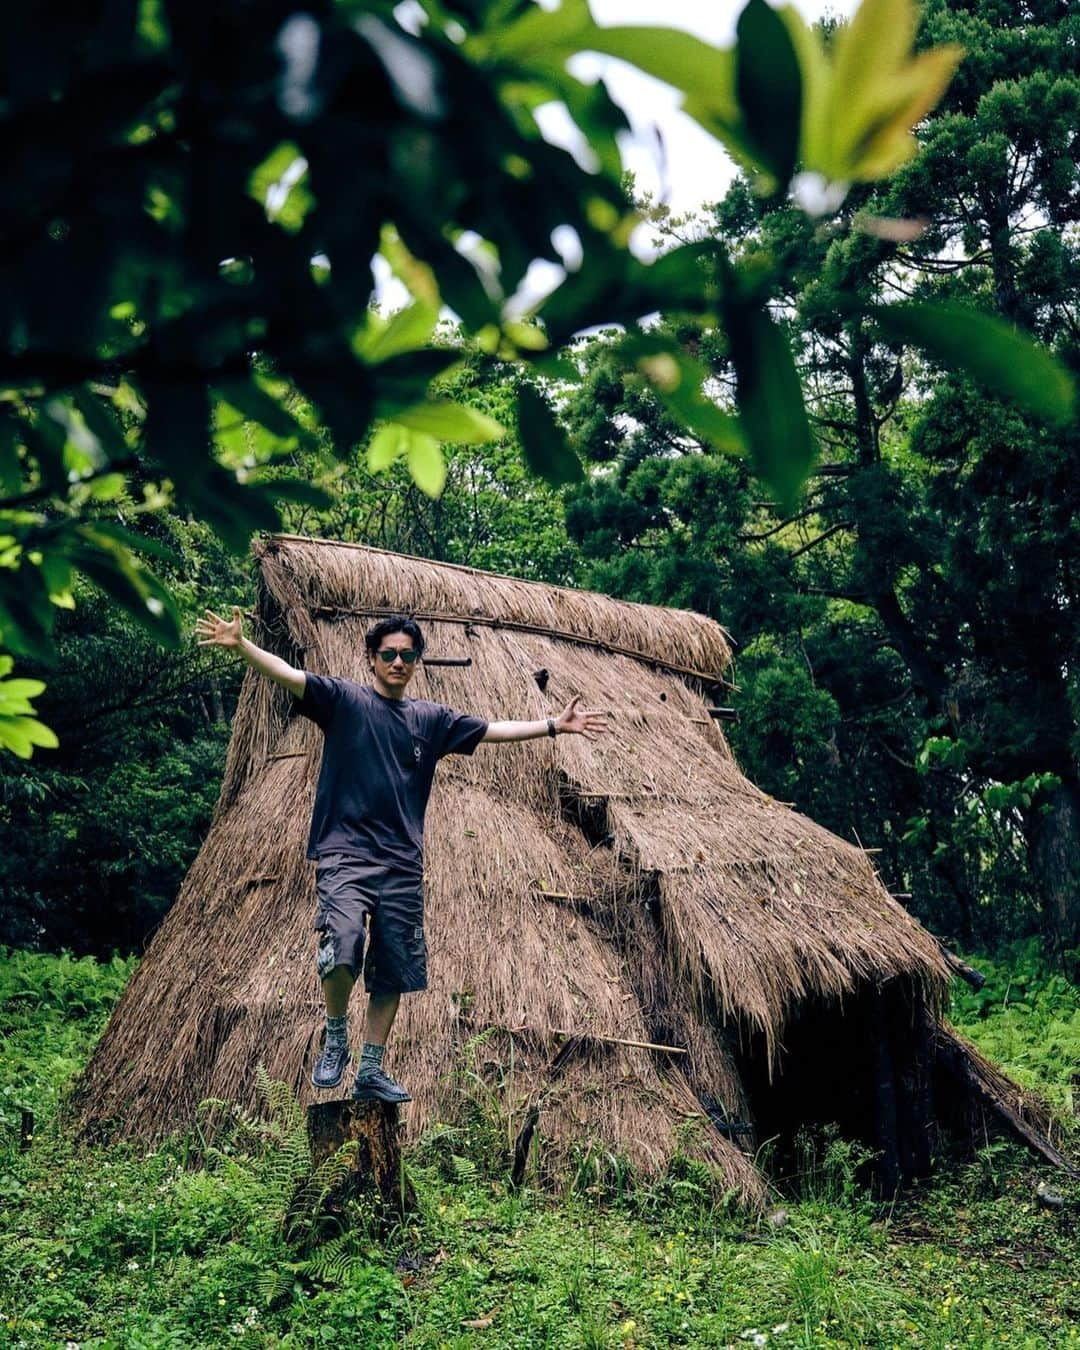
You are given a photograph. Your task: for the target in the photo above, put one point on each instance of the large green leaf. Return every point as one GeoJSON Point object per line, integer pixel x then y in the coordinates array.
{"type": "Point", "coordinates": [15, 695]}
{"type": "Point", "coordinates": [387, 444]}
{"type": "Point", "coordinates": [543, 441]}
{"type": "Point", "coordinates": [991, 351]}
{"type": "Point", "coordinates": [137, 543]}
{"type": "Point", "coordinates": [26, 613]}
{"type": "Point", "coordinates": [248, 397]}
{"type": "Point", "coordinates": [10, 462]}
{"type": "Point", "coordinates": [770, 401]}
{"type": "Point", "coordinates": [613, 287]}
{"type": "Point", "coordinates": [21, 734]}
{"type": "Point", "coordinates": [427, 464]}
{"type": "Point", "coordinates": [679, 382]}
{"type": "Point", "coordinates": [233, 510]}
{"type": "Point", "coordinates": [544, 37]}
{"type": "Point", "coordinates": [451, 422]}
{"type": "Point", "coordinates": [460, 285]}
{"type": "Point", "coordinates": [769, 86]}
{"type": "Point", "coordinates": [102, 423]}
{"type": "Point", "coordinates": [404, 331]}
{"type": "Point", "coordinates": [423, 454]}
{"type": "Point", "coordinates": [874, 93]}
{"type": "Point", "coordinates": [114, 569]}
{"type": "Point", "coordinates": [599, 118]}
{"type": "Point", "coordinates": [177, 428]}
{"type": "Point", "coordinates": [401, 381]}
{"type": "Point", "coordinates": [46, 441]}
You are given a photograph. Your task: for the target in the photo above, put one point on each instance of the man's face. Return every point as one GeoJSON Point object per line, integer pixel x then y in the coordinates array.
{"type": "Point", "coordinates": [394, 664]}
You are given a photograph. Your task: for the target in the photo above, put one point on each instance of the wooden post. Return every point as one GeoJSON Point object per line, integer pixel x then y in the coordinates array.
{"type": "Point", "coordinates": [522, 1145]}
{"type": "Point", "coordinates": [373, 1165]}
{"type": "Point", "coordinates": [923, 1109]}
{"type": "Point", "coordinates": [884, 1097]}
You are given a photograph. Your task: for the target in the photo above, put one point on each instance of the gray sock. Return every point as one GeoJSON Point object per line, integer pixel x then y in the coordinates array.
{"type": "Point", "coordinates": [337, 1030]}
{"type": "Point", "coordinates": [370, 1060]}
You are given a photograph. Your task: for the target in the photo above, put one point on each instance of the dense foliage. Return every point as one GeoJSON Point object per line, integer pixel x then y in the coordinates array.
{"type": "Point", "coordinates": [183, 1244]}
{"type": "Point", "coordinates": [908, 641]}
{"type": "Point", "coordinates": [99, 833]}
{"type": "Point", "coordinates": [905, 644]}
{"type": "Point", "coordinates": [199, 195]}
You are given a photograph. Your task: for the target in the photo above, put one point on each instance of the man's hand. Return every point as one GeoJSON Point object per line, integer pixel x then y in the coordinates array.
{"type": "Point", "coordinates": [575, 721]}
{"type": "Point", "coordinates": [214, 631]}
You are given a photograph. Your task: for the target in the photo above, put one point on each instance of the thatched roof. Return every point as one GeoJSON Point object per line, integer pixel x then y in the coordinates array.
{"type": "Point", "coordinates": [634, 889]}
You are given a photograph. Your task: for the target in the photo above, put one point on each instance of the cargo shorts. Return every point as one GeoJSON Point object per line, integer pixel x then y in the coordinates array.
{"type": "Point", "coordinates": [358, 899]}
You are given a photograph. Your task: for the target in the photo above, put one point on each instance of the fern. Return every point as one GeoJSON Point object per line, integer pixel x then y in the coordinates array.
{"type": "Point", "coordinates": [336, 1261]}
{"type": "Point", "coordinates": [464, 1169]}
{"type": "Point", "coordinates": [311, 1194]}
{"type": "Point", "coordinates": [275, 1282]}
{"type": "Point", "coordinates": [287, 1127]}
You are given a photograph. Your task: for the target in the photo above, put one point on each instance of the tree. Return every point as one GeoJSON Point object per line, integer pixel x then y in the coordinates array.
{"type": "Point", "coordinates": [196, 195]}
{"type": "Point", "coordinates": [98, 835]}
{"type": "Point", "coordinates": [928, 576]}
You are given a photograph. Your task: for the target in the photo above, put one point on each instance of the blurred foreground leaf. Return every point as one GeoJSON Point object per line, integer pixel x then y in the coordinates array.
{"type": "Point", "coordinates": [543, 441]}
{"type": "Point", "coordinates": [1010, 364]}
{"type": "Point", "coordinates": [769, 87]}
{"type": "Point", "coordinates": [770, 399]}
{"type": "Point", "coordinates": [20, 731]}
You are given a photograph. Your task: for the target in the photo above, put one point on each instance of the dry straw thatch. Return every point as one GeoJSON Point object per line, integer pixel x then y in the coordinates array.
{"type": "Point", "coordinates": [630, 892]}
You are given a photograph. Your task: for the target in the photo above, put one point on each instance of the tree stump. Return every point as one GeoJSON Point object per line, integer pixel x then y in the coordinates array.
{"type": "Point", "coordinates": [371, 1169]}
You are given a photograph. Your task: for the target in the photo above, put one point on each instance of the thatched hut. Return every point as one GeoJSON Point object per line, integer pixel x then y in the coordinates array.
{"type": "Point", "coordinates": [629, 941]}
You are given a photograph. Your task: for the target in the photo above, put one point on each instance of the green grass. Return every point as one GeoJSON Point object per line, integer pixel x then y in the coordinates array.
{"type": "Point", "coordinates": [182, 1246]}
{"type": "Point", "coordinates": [1026, 1017]}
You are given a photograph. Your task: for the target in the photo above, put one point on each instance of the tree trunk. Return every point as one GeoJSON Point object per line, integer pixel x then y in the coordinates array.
{"type": "Point", "coordinates": [1053, 836]}
{"type": "Point", "coordinates": [355, 1151]}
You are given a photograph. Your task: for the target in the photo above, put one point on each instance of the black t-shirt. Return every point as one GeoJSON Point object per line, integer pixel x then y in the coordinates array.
{"type": "Point", "coordinates": [379, 757]}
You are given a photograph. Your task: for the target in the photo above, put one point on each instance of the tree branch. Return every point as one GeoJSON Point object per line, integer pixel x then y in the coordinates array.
{"type": "Point", "coordinates": [825, 534]}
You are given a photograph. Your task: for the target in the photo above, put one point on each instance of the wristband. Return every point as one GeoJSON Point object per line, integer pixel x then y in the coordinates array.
{"type": "Point", "coordinates": [551, 727]}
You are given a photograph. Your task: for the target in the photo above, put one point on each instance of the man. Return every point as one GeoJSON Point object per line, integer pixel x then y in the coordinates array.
{"type": "Point", "coordinates": [380, 750]}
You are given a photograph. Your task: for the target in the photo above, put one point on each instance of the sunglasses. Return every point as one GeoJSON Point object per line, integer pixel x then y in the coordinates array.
{"type": "Point", "coordinates": [388, 656]}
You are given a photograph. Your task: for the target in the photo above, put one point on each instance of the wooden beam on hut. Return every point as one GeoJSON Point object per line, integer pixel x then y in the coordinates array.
{"type": "Point", "coordinates": [953, 1057]}
{"type": "Point", "coordinates": [968, 973]}
{"type": "Point", "coordinates": [592, 1036]}
{"type": "Point", "coordinates": [515, 626]}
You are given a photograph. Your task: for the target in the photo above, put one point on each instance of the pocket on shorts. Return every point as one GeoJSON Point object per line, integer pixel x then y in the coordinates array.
{"type": "Point", "coordinates": [326, 954]}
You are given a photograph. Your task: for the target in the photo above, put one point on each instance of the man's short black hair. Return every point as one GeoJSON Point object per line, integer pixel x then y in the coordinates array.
{"type": "Point", "coordinates": [396, 623]}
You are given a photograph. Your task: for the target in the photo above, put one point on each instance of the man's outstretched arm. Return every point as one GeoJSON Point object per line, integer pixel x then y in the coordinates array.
{"type": "Point", "coordinates": [572, 721]}
{"type": "Point", "coordinates": [214, 631]}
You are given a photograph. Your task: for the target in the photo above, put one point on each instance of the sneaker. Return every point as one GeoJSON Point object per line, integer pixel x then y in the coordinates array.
{"type": "Point", "coordinates": [381, 1087]}
{"type": "Point", "coordinates": [331, 1066]}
